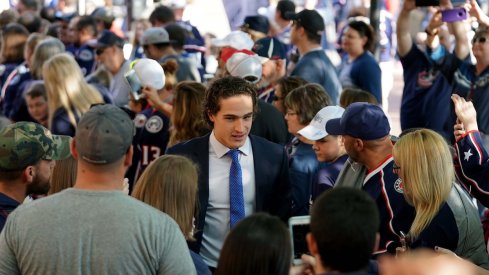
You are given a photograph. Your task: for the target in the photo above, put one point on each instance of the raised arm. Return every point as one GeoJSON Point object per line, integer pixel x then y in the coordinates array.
{"type": "Point", "coordinates": [404, 40]}
{"type": "Point", "coordinates": [476, 11]}
{"type": "Point", "coordinates": [459, 31]}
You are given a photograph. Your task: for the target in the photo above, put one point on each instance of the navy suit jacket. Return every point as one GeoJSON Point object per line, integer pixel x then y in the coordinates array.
{"type": "Point", "coordinates": [272, 184]}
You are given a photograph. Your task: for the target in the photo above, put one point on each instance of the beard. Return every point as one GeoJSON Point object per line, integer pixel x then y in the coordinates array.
{"type": "Point", "coordinates": [39, 185]}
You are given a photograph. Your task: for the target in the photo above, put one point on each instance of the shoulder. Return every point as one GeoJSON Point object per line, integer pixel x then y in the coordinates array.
{"type": "Point", "coordinates": [264, 145]}
{"type": "Point", "coordinates": [189, 145]}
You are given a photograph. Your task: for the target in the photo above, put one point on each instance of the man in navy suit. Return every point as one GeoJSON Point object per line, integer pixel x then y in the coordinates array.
{"type": "Point", "coordinates": [229, 108]}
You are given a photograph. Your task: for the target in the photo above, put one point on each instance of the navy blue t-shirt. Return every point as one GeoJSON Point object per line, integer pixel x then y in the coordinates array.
{"type": "Point", "coordinates": [7, 205]}
{"type": "Point", "coordinates": [327, 175]}
{"type": "Point", "coordinates": [85, 57]}
{"type": "Point", "coordinates": [426, 95]}
{"type": "Point", "coordinates": [442, 231]}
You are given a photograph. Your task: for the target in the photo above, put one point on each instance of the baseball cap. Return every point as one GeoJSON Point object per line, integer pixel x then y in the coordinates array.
{"type": "Point", "coordinates": [257, 23]}
{"type": "Point", "coordinates": [360, 120]}
{"type": "Point", "coordinates": [226, 53]}
{"type": "Point", "coordinates": [155, 35]}
{"type": "Point", "coordinates": [25, 143]}
{"type": "Point", "coordinates": [235, 39]}
{"type": "Point", "coordinates": [271, 48]}
{"type": "Point", "coordinates": [149, 73]}
{"type": "Point", "coordinates": [104, 134]}
{"type": "Point", "coordinates": [65, 17]}
{"type": "Point", "coordinates": [108, 39]}
{"type": "Point", "coordinates": [177, 4]}
{"type": "Point", "coordinates": [317, 128]}
{"type": "Point", "coordinates": [103, 14]}
{"type": "Point", "coordinates": [311, 20]}
{"type": "Point", "coordinates": [245, 66]}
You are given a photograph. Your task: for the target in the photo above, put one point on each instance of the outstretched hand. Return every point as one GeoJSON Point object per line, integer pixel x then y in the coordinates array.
{"type": "Point", "coordinates": [466, 116]}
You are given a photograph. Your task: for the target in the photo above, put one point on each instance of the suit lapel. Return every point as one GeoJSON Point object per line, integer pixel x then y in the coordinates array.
{"type": "Point", "coordinates": [260, 172]}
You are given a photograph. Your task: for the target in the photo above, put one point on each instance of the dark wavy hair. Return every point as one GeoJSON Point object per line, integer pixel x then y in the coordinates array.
{"type": "Point", "coordinates": [365, 30]}
{"type": "Point", "coordinates": [223, 88]}
{"type": "Point", "coordinates": [187, 117]}
{"type": "Point", "coordinates": [258, 245]}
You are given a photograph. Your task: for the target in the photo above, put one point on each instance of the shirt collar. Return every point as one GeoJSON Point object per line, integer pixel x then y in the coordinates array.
{"type": "Point", "coordinates": [222, 150]}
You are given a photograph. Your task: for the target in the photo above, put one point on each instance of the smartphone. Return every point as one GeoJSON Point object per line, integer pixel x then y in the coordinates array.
{"type": "Point", "coordinates": [134, 82]}
{"type": "Point", "coordinates": [427, 3]}
{"type": "Point", "coordinates": [299, 227]}
{"type": "Point", "coordinates": [453, 15]}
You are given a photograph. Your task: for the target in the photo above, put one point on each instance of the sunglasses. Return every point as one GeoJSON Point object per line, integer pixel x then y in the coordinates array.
{"type": "Point", "coordinates": [276, 98]}
{"type": "Point", "coordinates": [479, 40]}
{"type": "Point", "coordinates": [100, 51]}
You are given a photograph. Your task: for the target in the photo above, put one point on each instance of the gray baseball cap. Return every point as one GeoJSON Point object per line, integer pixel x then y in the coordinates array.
{"type": "Point", "coordinates": [155, 35]}
{"type": "Point", "coordinates": [104, 134]}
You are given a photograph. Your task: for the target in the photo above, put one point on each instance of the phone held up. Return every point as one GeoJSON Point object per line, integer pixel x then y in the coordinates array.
{"type": "Point", "coordinates": [299, 227]}
{"type": "Point", "coordinates": [454, 15]}
{"type": "Point", "coordinates": [134, 82]}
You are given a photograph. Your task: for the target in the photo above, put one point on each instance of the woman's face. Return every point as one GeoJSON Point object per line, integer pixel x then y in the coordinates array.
{"type": "Point", "coordinates": [293, 123]}
{"type": "Point", "coordinates": [401, 182]}
{"type": "Point", "coordinates": [480, 47]}
{"type": "Point", "coordinates": [352, 41]}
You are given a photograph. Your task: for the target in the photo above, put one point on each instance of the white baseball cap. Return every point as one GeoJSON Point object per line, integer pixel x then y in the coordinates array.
{"type": "Point", "coordinates": [150, 73]}
{"type": "Point", "coordinates": [236, 39]}
{"type": "Point", "coordinates": [246, 66]}
{"type": "Point", "coordinates": [317, 128]}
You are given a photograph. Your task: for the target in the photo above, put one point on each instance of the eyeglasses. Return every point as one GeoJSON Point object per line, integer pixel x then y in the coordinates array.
{"type": "Point", "coordinates": [396, 168]}
{"type": "Point", "coordinates": [481, 40]}
{"type": "Point", "coordinates": [100, 51]}
{"type": "Point", "coordinates": [276, 98]}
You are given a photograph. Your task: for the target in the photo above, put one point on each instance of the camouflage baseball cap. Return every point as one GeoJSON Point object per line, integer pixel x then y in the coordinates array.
{"type": "Point", "coordinates": [25, 143]}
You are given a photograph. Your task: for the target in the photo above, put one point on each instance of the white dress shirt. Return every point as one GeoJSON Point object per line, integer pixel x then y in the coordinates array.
{"type": "Point", "coordinates": [217, 218]}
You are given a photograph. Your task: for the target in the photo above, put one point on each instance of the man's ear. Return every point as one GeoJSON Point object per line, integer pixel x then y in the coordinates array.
{"type": "Point", "coordinates": [128, 156]}
{"type": "Point", "coordinates": [73, 151]}
{"type": "Point", "coordinates": [211, 117]}
{"type": "Point", "coordinates": [359, 144]}
{"type": "Point", "coordinates": [377, 241]}
{"type": "Point", "coordinates": [28, 174]}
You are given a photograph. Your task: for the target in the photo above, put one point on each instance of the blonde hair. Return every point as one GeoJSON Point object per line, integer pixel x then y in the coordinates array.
{"type": "Point", "coordinates": [67, 88]}
{"type": "Point", "coordinates": [187, 120]}
{"type": "Point", "coordinates": [170, 184]}
{"type": "Point", "coordinates": [64, 175]}
{"type": "Point", "coordinates": [426, 169]}
{"type": "Point", "coordinates": [43, 51]}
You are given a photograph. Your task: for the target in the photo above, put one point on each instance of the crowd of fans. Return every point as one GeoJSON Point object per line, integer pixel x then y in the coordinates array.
{"type": "Point", "coordinates": [148, 161]}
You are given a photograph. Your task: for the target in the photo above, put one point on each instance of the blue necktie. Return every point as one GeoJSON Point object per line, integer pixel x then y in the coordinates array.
{"type": "Point", "coordinates": [236, 198]}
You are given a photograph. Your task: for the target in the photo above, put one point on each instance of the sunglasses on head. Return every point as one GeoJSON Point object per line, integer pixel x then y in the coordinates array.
{"type": "Point", "coordinates": [481, 39]}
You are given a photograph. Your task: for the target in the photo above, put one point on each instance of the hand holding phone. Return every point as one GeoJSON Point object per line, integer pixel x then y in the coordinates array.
{"type": "Point", "coordinates": [299, 227]}
{"type": "Point", "coordinates": [454, 15]}
{"type": "Point", "coordinates": [133, 81]}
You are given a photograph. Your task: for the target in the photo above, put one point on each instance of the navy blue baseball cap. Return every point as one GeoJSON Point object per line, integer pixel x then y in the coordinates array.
{"type": "Point", "coordinates": [310, 20]}
{"type": "Point", "coordinates": [108, 39]}
{"type": "Point", "coordinates": [270, 47]}
{"type": "Point", "coordinates": [257, 23]}
{"type": "Point", "coordinates": [360, 120]}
